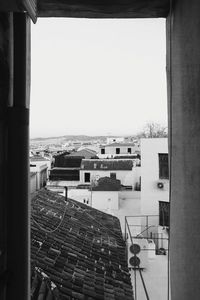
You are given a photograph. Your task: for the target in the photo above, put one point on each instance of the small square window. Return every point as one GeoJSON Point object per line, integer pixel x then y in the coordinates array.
{"type": "Point", "coordinates": [164, 213]}
{"type": "Point", "coordinates": [113, 175]}
{"type": "Point", "coordinates": [103, 151]}
{"type": "Point", "coordinates": [163, 166]}
{"type": "Point", "coordinates": [117, 150]}
{"type": "Point", "coordinates": [87, 177]}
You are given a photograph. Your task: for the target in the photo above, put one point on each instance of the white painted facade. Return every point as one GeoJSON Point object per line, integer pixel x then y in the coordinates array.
{"type": "Point", "coordinates": [118, 149]}
{"type": "Point", "coordinates": [39, 163]}
{"type": "Point", "coordinates": [127, 177]}
{"type": "Point", "coordinates": [80, 195]}
{"type": "Point", "coordinates": [122, 203]}
{"type": "Point", "coordinates": [151, 194]}
{"type": "Point", "coordinates": [106, 201]}
{"type": "Point", "coordinates": [33, 182]}
{"type": "Point", "coordinates": [41, 174]}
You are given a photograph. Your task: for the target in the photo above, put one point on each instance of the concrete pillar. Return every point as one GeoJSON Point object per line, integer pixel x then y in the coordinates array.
{"type": "Point", "coordinates": [18, 205]}
{"type": "Point", "coordinates": [14, 156]}
{"type": "Point", "coordinates": [184, 110]}
{"type": "Point", "coordinates": [6, 44]}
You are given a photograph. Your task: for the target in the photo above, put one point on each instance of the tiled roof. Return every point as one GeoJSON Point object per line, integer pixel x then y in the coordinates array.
{"type": "Point", "coordinates": [79, 248]}
{"type": "Point", "coordinates": [41, 286]}
{"type": "Point", "coordinates": [107, 164]}
{"type": "Point", "coordinates": [68, 174]}
{"type": "Point", "coordinates": [119, 145]}
{"type": "Point", "coordinates": [86, 153]}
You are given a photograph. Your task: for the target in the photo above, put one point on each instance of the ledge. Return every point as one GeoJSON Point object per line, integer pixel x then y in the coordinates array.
{"type": "Point", "coordinates": [103, 8]}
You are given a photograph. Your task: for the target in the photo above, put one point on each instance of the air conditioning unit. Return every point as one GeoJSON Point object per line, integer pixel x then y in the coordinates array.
{"type": "Point", "coordinates": [160, 185]}
{"type": "Point", "coordinates": [138, 253]}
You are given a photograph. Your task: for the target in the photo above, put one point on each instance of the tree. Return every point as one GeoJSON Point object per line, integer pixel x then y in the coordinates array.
{"type": "Point", "coordinates": [153, 130]}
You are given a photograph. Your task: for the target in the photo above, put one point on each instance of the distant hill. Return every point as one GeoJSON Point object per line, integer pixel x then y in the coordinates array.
{"type": "Point", "coordinates": [69, 137]}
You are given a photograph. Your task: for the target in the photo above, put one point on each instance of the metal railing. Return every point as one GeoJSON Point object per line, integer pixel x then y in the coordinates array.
{"type": "Point", "coordinates": [145, 227]}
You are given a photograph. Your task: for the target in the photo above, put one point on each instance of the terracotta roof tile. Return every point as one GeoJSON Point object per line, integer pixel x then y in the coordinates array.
{"type": "Point", "coordinates": [119, 145]}
{"type": "Point", "coordinates": [79, 248]}
{"type": "Point", "coordinates": [106, 164]}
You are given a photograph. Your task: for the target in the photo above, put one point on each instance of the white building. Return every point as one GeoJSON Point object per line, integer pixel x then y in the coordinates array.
{"type": "Point", "coordinates": [155, 183]}
{"type": "Point", "coordinates": [40, 165]}
{"type": "Point", "coordinates": [107, 201]}
{"type": "Point", "coordinates": [33, 182]}
{"type": "Point", "coordinates": [41, 175]}
{"type": "Point", "coordinates": [124, 170]}
{"type": "Point", "coordinates": [38, 160]}
{"type": "Point", "coordinates": [119, 149]}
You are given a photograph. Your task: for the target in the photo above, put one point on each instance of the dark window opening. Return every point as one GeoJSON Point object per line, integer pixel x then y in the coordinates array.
{"type": "Point", "coordinates": [129, 150]}
{"type": "Point", "coordinates": [163, 166]}
{"type": "Point", "coordinates": [87, 177]}
{"type": "Point", "coordinates": [117, 150]}
{"type": "Point", "coordinates": [164, 213]}
{"type": "Point", "coordinates": [113, 175]}
{"type": "Point", "coordinates": [102, 151]}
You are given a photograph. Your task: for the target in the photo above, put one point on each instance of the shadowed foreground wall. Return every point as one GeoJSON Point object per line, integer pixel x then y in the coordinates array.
{"type": "Point", "coordinates": [185, 149]}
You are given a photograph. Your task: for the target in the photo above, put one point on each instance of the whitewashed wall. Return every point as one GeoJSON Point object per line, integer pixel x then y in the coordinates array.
{"type": "Point", "coordinates": [150, 193]}
{"type": "Point", "coordinates": [126, 177]}
{"type": "Point", "coordinates": [40, 163]}
{"type": "Point", "coordinates": [80, 195]}
{"type": "Point", "coordinates": [106, 201]}
{"type": "Point", "coordinates": [33, 183]}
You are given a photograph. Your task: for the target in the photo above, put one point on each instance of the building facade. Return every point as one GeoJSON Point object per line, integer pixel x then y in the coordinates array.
{"type": "Point", "coordinates": [155, 188]}
{"type": "Point", "coordinates": [118, 149]}
{"type": "Point", "coordinates": [124, 170]}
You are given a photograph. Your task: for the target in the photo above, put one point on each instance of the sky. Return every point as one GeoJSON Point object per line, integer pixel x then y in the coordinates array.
{"type": "Point", "coordinates": [97, 77]}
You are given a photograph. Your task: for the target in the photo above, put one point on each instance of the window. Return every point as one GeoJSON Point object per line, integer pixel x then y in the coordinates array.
{"type": "Point", "coordinates": [164, 213]}
{"type": "Point", "coordinates": [102, 151]}
{"type": "Point", "coordinates": [113, 175]}
{"type": "Point", "coordinates": [117, 150]}
{"type": "Point", "coordinates": [87, 177]}
{"type": "Point", "coordinates": [163, 166]}
{"type": "Point", "coordinates": [129, 150]}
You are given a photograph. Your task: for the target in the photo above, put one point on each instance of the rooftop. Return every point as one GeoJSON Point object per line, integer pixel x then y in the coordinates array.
{"type": "Point", "coordinates": [79, 248]}
{"type": "Point", "coordinates": [107, 164]}
{"type": "Point", "coordinates": [86, 153]}
{"type": "Point", "coordinates": [119, 145]}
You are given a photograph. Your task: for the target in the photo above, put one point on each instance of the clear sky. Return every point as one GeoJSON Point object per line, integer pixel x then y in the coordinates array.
{"type": "Point", "coordinates": [97, 77]}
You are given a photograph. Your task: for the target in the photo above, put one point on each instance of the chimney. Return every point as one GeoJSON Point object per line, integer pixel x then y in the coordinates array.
{"type": "Point", "coordinates": [66, 193]}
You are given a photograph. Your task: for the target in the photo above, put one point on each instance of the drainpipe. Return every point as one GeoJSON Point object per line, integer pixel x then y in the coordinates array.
{"type": "Point", "coordinates": [66, 193]}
